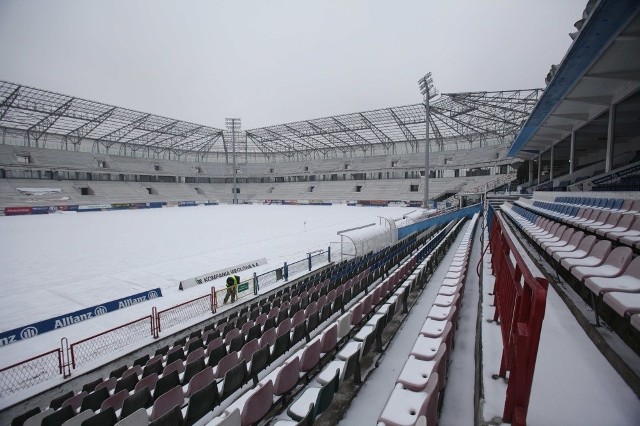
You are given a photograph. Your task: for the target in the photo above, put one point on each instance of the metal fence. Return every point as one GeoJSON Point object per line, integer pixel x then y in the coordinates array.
{"type": "Point", "coordinates": [185, 311]}
{"type": "Point", "coordinates": [304, 265]}
{"type": "Point", "coordinates": [30, 372]}
{"type": "Point", "coordinates": [110, 341]}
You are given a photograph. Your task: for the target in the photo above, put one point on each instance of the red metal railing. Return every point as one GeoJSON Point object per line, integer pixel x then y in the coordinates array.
{"type": "Point", "coordinates": [520, 300]}
{"type": "Point", "coordinates": [30, 372]}
{"type": "Point", "coordinates": [110, 341]}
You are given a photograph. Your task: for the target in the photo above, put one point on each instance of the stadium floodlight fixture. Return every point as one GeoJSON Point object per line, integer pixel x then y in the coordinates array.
{"type": "Point", "coordinates": [233, 125]}
{"type": "Point", "coordinates": [428, 91]}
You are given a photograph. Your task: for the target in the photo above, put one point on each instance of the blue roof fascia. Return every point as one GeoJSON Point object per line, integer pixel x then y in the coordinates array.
{"type": "Point", "coordinates": [607, 20]}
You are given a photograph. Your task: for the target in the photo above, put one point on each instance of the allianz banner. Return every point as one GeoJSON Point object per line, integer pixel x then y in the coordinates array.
{"type": "Point", "coordinates": [74, 317]}
{"type": "Point", "coordinates": [191, 282]}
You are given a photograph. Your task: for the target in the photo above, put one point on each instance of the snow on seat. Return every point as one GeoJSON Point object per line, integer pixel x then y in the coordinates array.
{"type": "Point", "coordinates": [450, 291]}
{"type": "Point", "coordinates": [623, 303]}
{"type": "Point", "coordinates": [595, 257]}
{"type": "Point", "coordinates": [416, 373]}
{"type": "Point", "coordinates": [444, 300]}
{"type": "Point", "coordinates": [632, 231]}
{"type": "Point", "coordinates": [349, 349]}
{"type": "Point", "coordinates": [459, 274]}
{"type": "Point", "coordinates": [405, 407]}
{"type": "Point", "coordinates": [453, 282]}
{"type": "Point", "coordinates": [615, 263]}
{"type": "Point", "coordinates": [628, 282]}
{"type": "Point", "coordinates": [224, 419]}
{"type": "Point", "coordinates": [583, 249]}
{"type": "Point", "coordinates": [433, 328]}
{"type": "Point", "coordinates": [623, 283]}
{"type": "Point", "coordinates": [570, 246]}
{"type": "Point", "coordinates": [441, 313]}
{"type": "Point", "coordinates": [563, 241]}
{"type": "Point", "coordinates": [426, 348]}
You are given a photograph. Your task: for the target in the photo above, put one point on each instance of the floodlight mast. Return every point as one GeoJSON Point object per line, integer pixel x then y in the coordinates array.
{"type": "Point", "coordinates": [232, 125]}
{"type": "Point", "coordinates": [428, 91]}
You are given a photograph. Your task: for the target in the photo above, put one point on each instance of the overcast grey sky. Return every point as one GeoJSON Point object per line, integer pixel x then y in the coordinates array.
{"type": "Point", "coordinates": [278, 61]}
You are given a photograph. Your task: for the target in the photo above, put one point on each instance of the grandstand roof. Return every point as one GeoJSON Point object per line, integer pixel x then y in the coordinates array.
{"type": "Point", "coordinates": [469, 117]}
{"type": "Point", "coordinates": [601, 68]}
{"type": "Point", "coordinates": [455, 118]}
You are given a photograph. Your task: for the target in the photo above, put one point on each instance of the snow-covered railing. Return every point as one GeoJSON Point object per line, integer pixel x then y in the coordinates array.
{"type": "Point", "coordinates": [520, 300]}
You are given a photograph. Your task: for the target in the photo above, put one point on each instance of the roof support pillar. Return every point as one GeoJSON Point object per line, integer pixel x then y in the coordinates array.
{"type": "Point", "coordinates": [530, 172]}
{"type": "Point", "coordinates": [551, 162]}
{"type": "Point", "coordinates": [608, 162]}
{"type": "Point", "coordinates": [572, 150]}
{"type": "Point", "coordinates": [539, 168]}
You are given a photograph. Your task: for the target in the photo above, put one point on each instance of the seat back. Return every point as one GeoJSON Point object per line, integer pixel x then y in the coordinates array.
{"type": "Point", "coordinates": [429, 408]}
{"type": "Point", "coordinates": [136, 418]}
{"type": "Point", "coordinates": [268, 337]}
{"type": "Point", "coordinates": [587, 243]}
{"type": "Point", "coordinates": [177, 365]}
{"type": "Point", "coordinates": [329, 339]}
{"type": "Point", "coordinates": [139, 399]}
{"type": "Point", "coordinates": [59, 416]}
{"type": "Point", "coordinates": [620, 257]}
{"type": "Point", "coordinates": [287, 376]}
{"type": "Point", "coordinates": [94, 400]}
{"type": "Point", "coordinates": [258, 404]}
{"type": "Point", "coordinates": [200, 380]}
{"type": "Point", "coordinates": [147, 382]}
{"type": "Point", "coordinates": [234, 379]}
{"type": "Point", "coordinates": [75, 401]}
{"type": "Point", "coordinates": [166, 402]}
{"type": "Point", "coordinates": [281, 345]}
{"type": "Point", "coordinates": [325, 396]}
{"type": "Point", "coordinates": [310, 356]}
{"type": "Point", "coordinates": [601, 249]}
{"type": "Point", "coordinates": [166, 383]}
{"type": "Point", "coordinates": [202, 402]}
{"type": "Point", "coordinates": [226, 364]}
{"type": "Point", "coordinates": [249, 349]}
{"type": "Point", "coordinates": [115, 401]}
{"type": "Point", "coordinates": [106, 417]}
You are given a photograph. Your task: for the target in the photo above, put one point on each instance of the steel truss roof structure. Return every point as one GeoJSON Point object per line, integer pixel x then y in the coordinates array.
{"type": "Point", "coordinates": [455, 118]}
{"type": "Point", "coordinates": [39, 112]}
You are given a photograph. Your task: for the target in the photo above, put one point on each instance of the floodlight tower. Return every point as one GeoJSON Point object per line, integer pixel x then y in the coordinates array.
{"type": "Point", "coordinates": [233, 124]}
{"type": "Point", "coordinates": [428, 91]}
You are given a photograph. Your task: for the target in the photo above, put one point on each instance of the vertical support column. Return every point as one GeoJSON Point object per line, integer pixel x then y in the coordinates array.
{"type": "Point", "coordinates": [608, 162]}
{"type": "Point", "coordinates": [530, 172]}
{"type": "Point", "coordinates": [426, 155]}
{"type": "Point", "coordinates": [551, 162]}
{"type": "Point", "coordinates": [539, 168]}
{"type": "Point", "coordinates": [572, 150]}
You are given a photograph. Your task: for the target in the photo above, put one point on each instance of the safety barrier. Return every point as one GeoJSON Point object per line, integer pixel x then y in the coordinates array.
{"type": "Point", "coordinates": [110, 341]}
{"type": "Point", "coordinates": [520, 300]}
{"type": "Point", "coordinates": [304, 265]}
{"type": "Point", "coordinates": [30, 372]}
{"type": "Point", "coordinates": [186, 310]}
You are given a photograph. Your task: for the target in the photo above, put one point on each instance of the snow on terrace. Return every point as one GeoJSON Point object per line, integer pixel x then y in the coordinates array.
{"type": "Point", "coordinates": [56, 264]}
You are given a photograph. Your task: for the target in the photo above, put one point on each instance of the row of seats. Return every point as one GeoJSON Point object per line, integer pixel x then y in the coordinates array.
{"type": "Point", "coordinates": [602, 273]}
{"type": "Point", "coordinates": [150, 378]}
{"type": "Point", "coordinates": [623, 205]}
{"type": "Point", "coordinates": [352, 336]}
{"type": "Point", "coordinates": [616, 225]}
{"type": "Point", "coordinates": [421, 381]}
